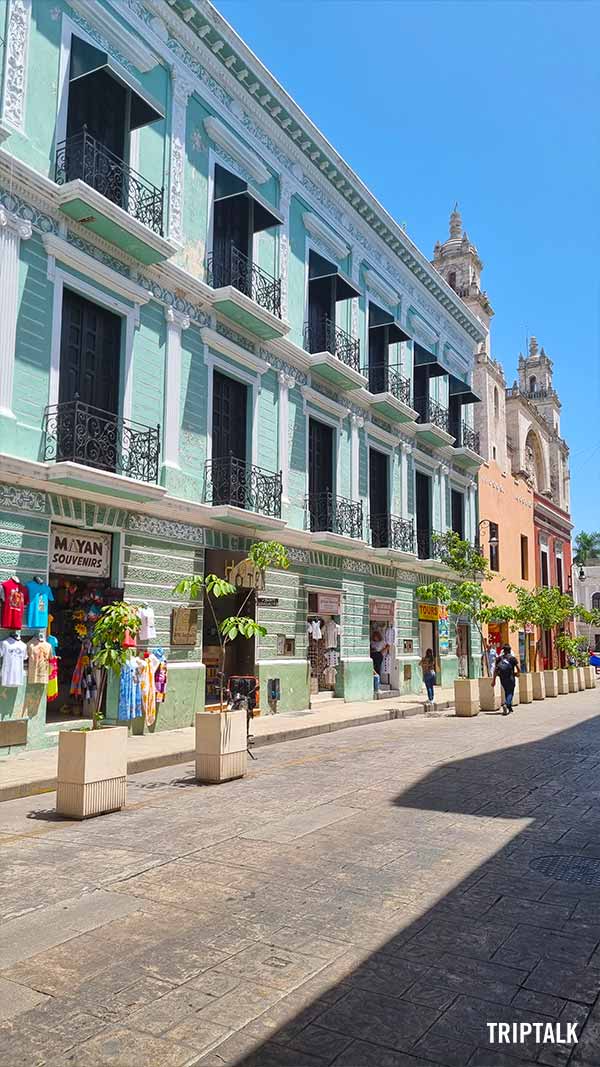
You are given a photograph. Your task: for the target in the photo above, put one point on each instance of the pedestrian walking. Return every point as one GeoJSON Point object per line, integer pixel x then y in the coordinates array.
{"type": "Point", "coordinates": [507, 670]}
{"type": "Point", "coordinates": [378, 649]}
{"type": "Point", "coordinates": [491, 656]}
{"type": "Point", "coordinates": [429, 676]}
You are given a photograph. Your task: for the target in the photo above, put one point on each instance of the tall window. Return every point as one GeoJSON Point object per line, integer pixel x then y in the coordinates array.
{"type": "Point", "coordinates": [532, 383]}
{"type": "Point", "coordinates": [494, 547]}
{"type": "Point", "coordinates": [596, 602]}
{"type": "Point", "coordinates": [496, 402]}
{"type": "Point", "coordinates": [545, 569]}
{"type": "Point", "coordinates": [524, 557]}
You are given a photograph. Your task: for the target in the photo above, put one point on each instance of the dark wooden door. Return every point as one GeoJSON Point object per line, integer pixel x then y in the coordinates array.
{"type": "Point", "coordinates": [423, 510]}
{"type": "Point", "coordinates": [378, 497]}
{"type": "Point", "coordinates": [378, 359]}
{"type": "Point", "coordinates": [230, 475]}
{"type": "Point", "coordinates": [320, 475]}
{"type": "Point", "coordinates": [458, 513]}
{"type": "Point", "coordinates": [321, 307]}
{"type": "Point", "coordinates": [89, 353]}
{"type": "Point", "coordinates": [231, 230]}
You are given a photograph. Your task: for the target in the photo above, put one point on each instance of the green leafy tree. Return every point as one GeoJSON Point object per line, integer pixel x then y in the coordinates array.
{"type": "Point", "coordinates": [114, 623]}
{"type": "Point", "coordinates": [545, 607]}
{"type": "Point", "coordinates": [591, 619]}
{"type": "Point", "coordinates": [587, 546]}
{"type": "Point", "coordinates": [263, 554]}
{"type": "Point", "coordinates": [461, 556]}
{"type": "Point", "coordinates": [575, 648]}
{"type": "Point", "coordinates": [466, 599]}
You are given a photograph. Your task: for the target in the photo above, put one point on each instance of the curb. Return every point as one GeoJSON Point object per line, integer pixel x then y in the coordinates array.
{"type": "Point", "coordinates": [139, 764]}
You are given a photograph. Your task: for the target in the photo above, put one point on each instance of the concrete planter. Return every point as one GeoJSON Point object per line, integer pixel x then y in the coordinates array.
{"type": "Point", "coordinates": [551, 683]}
{"type": "Point", "coordinates": [221, 745]}
{"type": "Point", "coordinates": [525, 689]}
{"type": "Point", "coordinates": [517, 693]}
{"type": "Point", "coordinates": [490, 697]}
{"type": "Point", "coordinates": [538, 682]}
{"type": "Point", "coordinates": [573, 680]}
{"type": "Point", "coordinates": [92, 771]}
{"type": "Point", "coordinates": [581, 675]}
{"type": "Point", "coordinates": [563, 680]}
{"type": "Point", "coordinates": [589, 674]}
{"type": "Point", "coordinates": [466, 697]}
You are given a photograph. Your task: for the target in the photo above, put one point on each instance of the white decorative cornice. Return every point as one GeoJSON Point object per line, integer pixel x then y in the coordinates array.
{"type": "Point", "coordinates": [312, 396]}
{"type": "Point", "coordinates": [321, 231]}
{"type": "Point", "coordinates": [115, 34]}
{"type": "Point", "coordinates": [218, 132]}
{"type": "Point", "coordinates": [421, 328]}
{"type": "Point", "coordinates": [10, 221]}
{"type": "Point", "coordinates": [67, 253]}
{"type": "Point", "coordinates": [379, 288]}
{"type": "Point", "coordinates": [233, 351]}
{"type": "Point", "coordinates": [379, 434]}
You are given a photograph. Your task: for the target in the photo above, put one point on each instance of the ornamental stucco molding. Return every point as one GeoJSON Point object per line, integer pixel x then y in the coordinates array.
{"type": "Point", "coordinates": [319, 230]}
{"type": "Point", "coordinates": [115, 34]}
{"type": "Point", "coordinates": [11, 222]}
{"type": "Point", "coordinates": [179, 531]}
{"type": "Point", "coordinates": [219, 133]}
{"type": "Point", "coordinates": [379, 288]}
{"type": "Point", "coordinates": [17, 498]}
{"type": "Point", "coordinates": [15, 63]}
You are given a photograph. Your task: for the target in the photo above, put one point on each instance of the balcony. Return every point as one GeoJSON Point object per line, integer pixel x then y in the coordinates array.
{"type": "Point", "coordinates": [466, 450]}
{"type": "Point", "coordinates": [429, 549]}
{"type": "Point", "coordinates": [392, 537]}
{"type": "Point", "coordinates": [245, 293]}
{"type": "Point", "coordinates": [78, 436]}
{"type": "Point", "coordinates": [390, 393]}
{"type": "Point", "coordinates": [434, 422]}
{"type": "Point", "coordinates": [243, 494]}
{"type": "Point", "coordinates": [334, 354]}
{"type": "Point", "coordinates": [333, 520]}
{"type": "Point", "coordinates": [104, 194]}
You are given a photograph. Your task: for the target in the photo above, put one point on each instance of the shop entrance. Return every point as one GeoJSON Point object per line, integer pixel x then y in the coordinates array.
{"type": "Point", "coordinates": [323, 624]}
{"type": "Point", "coordinates": [240, 654]}
{"type": "Point", "coordinates": [383, 640]}
{"type": "Point", "coordinates": [428, 639]}
{"type": "Point", "coordinates": [463, 649]}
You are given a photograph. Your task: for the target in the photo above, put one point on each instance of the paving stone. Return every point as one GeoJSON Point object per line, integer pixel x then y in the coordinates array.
{"type": "Point", "coordinates": [166, 1012]}
{"type": "Point", "coordinates": [124, 1048]}
{"type": "Point", "coordinates": [567, 980]}
{"type": "Point", "coordinates": [444, 1049]}
{"type": "Point", "coordinates": [199, 1035]}
{"type": "Point", "coordinates": [15, 999]}
{"type": "Point", "coordinates": [379, 1018]}
{"type": "Point", "coordinates": [485, 1057]}
{"type": "Point", "coordinates": [318, 1041]}
{"type": "Point", "coordinates": [237, 1008]}
{"type": "Point", "coordinates": [542, 1002]}
{"type": "Point", "coordinates": [281, 968]}
{"type": "Point", "coordinates": [534, 913]}
{"type": "Point", "coordinates": [291, 827]}
{"type": "Point", "coordinates": [365, 1054]}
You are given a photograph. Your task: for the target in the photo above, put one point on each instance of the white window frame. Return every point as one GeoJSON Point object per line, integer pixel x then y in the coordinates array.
{"type": "Point", "coordinates": [213, 361]}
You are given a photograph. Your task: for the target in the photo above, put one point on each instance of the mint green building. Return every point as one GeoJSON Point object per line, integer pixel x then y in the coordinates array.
{"type": "Point", "coordinates": [211, 332]}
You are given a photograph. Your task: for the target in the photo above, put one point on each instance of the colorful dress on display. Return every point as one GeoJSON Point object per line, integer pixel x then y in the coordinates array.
{"type": "Point", "coordinates": [147, 688]}
{"type": "Point", "coordinates": [130, 697]}
{"type": "Point", "coordinates": [52, 691]}
{"type": "Point", "coordinates": [160, 681]}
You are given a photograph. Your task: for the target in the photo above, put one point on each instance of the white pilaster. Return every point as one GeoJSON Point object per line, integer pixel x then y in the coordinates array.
{"type": "Point", "coordinates": [285, 197]}
{"type": "Point", "coordinates": [444, 472]}
{"type": "Point", "coordinates": [176, 322]}
{"type": "Point", "coordinates": [354, 302]}
{"type": "Point", "coordinates": [286, 382]}
{"type": "Point", "coordinates": [404, 454]}
{"type": "Point", "coordinates": [12, 231]}
{"type": "Point", "coordinates": [472, 511]}
{"type": "Point", "coordinates": [356, 425]}
{"type": "Point", "coordinates": [181, 92]}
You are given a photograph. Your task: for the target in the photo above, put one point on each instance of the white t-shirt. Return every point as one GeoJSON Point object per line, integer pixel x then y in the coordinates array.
{"type": "Point", "coordinates": [331, 632]}
{"type": "Point", "coordinates": [147, 629]}
{"type": "Point", "coordinates": [14, 654]}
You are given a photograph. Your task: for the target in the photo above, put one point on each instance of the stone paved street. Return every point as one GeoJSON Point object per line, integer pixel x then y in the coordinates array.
{"type": "Point", "coordinates": [371, 897]}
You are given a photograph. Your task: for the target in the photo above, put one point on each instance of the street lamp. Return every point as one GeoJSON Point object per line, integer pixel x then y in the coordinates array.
{"type": "Point", "coordinates": [492, 542]}
{"type": "Point", "coordinates": [580, 574]}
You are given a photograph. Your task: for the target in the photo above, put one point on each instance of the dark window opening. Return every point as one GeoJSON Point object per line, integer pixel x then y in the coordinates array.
{"type": "Point", "coordinates": [383, 332]}
{"type": "Point", "coordinates": [524, 557]}
{"type": "Point", "coordinates": [327, 286]}
{"type": "Point", "coordinates": [452, 279]}
{"type": "Point", "coordinates": [544, 564]}
{"type": "Point", "coordinates": [559, 573]}
{"type": "Point", "coordinates": [379, 498]}
{"type": "Point", "coordinates": [423, 513]}
{"type": "Point", "coordinates": [458, 513]}
{"type": "Point", "coordinates": [596, 602]}
{"type": "Point", "coordinates": [494, 545]}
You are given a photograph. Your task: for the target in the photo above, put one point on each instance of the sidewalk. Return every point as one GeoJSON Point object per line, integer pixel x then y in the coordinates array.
{"type": "Point", "coordinates": [35, 772]}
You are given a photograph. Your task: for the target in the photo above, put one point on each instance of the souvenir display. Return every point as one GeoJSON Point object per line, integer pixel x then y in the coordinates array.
{"type": "Point", "coordinates": [14, 653]}
{"type": "Point", "coordinates": [14, 597]}
{"type": "Point", "coordinates": [39, 595]}
{"type": "Point", "coordinates": [39, 654]}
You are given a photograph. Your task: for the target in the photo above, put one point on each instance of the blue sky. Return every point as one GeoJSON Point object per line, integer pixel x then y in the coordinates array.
{"type": "Point", "coordinates": [495, 105]}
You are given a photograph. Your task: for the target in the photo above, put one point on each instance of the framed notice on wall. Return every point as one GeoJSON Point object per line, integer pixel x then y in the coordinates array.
{"type": "Point", "coordinates": [329, 603]}
{"type": "Point", "coordinates": [184, 626]}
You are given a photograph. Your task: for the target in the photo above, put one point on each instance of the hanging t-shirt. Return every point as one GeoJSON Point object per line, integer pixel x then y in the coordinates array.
{"type": "Point", "coordinates": [14, 654]}
{"type": "Point", "coordinates": [314, 629]}
{"type": "Point", "coordinates": [14, 598]}
{"type": "Point", "coordinates": [39, 654]}
{"type": "Point", "coordinates": [37, 613]}
{"type": "Point", "coordinates": [331, 632]}
{"type": "Point", "coordinates": [147, 629]}
{"type": "Point", "coordinates": [52, 640]}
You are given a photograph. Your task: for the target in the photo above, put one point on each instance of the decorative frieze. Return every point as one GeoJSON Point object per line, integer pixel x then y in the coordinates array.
{"type": "Point", "coordinates": [19, 498]}
{"type": "Point", "coordinates": [237, 338]}
{"type": "Point", "coordinates": [15, 62]}
{"type": "Point", "coordinates": [164, 528]}
{"type": "Point", "coordinates": [182, 89]}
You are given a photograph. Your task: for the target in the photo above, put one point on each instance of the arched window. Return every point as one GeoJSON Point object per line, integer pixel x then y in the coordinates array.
{"type": "Point", "coordinates": [596, 602]}
{"type": "Point", "coordinates": [532, 383]}
{"type": "Point", "coordinates": [496, 402]}
{"type": "Point", "coordinates": [452, 279]}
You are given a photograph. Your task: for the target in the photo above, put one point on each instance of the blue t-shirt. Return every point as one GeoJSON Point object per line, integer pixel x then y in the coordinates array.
{"type": "Point", "coordinates": [37, 611]}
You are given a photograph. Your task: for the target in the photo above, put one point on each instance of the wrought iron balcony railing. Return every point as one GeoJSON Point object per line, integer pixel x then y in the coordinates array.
{"type": "Point", "coordinates": [469, 438]}
{"type": "Point", "coordinates": [430, 411]}
{"type": "Point", "coordinates": [390, 531]}
{"type": "Point", "coordinates": [326, 511]}
{"type": "Point", "coordinates": [240, 484]}
{"type": "Point", "coordinates": [82, 156]}
{"type": "Point", "coordinates": [386, 379]}
{"type": "Point", "coordinates": [79, 433]}
{"type": "Point", "coordinates": [428, 547]}
{"type": "Point", "coordinates": [325, 336]}
{"type": "Point", "coordinates": [230, 266]}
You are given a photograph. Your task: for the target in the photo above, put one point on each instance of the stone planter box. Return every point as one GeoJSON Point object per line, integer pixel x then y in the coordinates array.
{"type": "Point", "coordinates": [573, 680]}
{"type": "Point", "coordinates": [539, 687]}
{"type": "Point", "coordinates": [517, 693]}
{"type": "Point", "coordinates": [466, 697]}
{"type": "Point", "coordinates": [490, 698]}
{"type": "Point", "coordinates": [581, 675]}
{"type": "Point", "coordinates": [589, 674]}
{"type": "Point", "coordinates": [563, 680]}
{"type": "Point", "coordinates": [525, 689]}
{"type": "Point", "coordinates": [551, 683]}
{"type": "Point", "coordinates": [92, 771]}
{"type": "Point", "coordinates": [221, 745]}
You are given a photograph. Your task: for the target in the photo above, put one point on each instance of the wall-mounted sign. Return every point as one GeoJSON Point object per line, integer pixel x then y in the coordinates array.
{"type": "Point", "coordinates": [80, 552]}
{"type": "Point", "coordinates": [432, 612]}
{"type": "Point", "coordinates": [382, 610]}
{"type": "Point", "coordinates": [267, 601]}
{"type": "Point", "coordinates": [408, 645]}
{"type": "Point", "coordinates": [245, 575]}
{"type": "Point", "coordinates": [329, 603]}
{"type": "Point", "coordinates": [184, 626]}
{"type": "Point", "coordinates": [443, 635]}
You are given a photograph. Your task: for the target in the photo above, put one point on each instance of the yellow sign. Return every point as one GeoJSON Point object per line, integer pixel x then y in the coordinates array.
{"type": "Point", "coordinates": [432, 612]}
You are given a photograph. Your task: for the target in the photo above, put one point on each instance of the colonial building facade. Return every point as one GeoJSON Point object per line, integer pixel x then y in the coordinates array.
{"type": "Point", "coordinates": [524, 523]}
{"type": "Point", "coordinates": [211, 332]}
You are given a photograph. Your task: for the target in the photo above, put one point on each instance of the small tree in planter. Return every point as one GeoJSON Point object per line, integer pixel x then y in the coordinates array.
{"type": "Point", "coordinates": [115, 623]}
{"type": "Point", "coordinates": [262, 554]}
{"type": "Point", "coordinates": [545, 607]}
{"type": "Point", "coordinates": [575, 648]}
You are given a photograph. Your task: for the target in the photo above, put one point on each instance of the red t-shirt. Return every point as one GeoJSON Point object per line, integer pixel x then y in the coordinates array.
{"type": "Point", "coordinates": [13, 604]}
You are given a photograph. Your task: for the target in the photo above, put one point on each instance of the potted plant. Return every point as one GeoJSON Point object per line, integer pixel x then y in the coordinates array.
{"type": "Point", "coordinates": [92, 764]}
{"type": "Point", "coordinates": [546, 608]}
{"type": "Point", "coordinates": [465, 599]}
{"type": "Point", "coordinates": [221, 738]}
{"type": "Point", "coordinates": [575, 650]}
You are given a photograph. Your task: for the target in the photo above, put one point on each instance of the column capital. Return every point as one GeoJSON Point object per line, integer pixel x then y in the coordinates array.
{"type": "Point", "coordinates": [10, 221]}
{"type": "Point", "coordinates": [183, 86]}
{"type": "Point", "coordinates": [177, 318]}
{"type": "Point", "coordinates": [286, 381]}
{"type": "Point", "coordinates": [357, 420]}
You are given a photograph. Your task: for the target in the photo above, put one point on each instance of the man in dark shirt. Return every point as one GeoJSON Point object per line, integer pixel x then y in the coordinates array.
{"type": "Point", "coordinates": [506, 669]}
